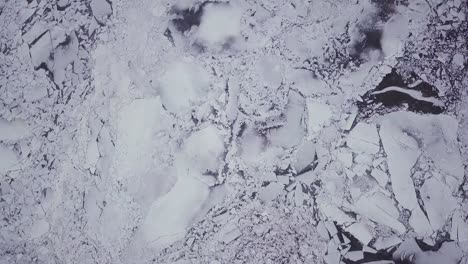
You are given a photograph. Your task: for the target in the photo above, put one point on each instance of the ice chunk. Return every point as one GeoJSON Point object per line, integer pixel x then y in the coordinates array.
{"type": "Point", "coordinates": [380, 176]}
{"type": "Point", "coordinates": [438, 201]}
{"type": "Point", "coordinates": [319, 116]}
{"type": "Point", "coordinates": [361, 231]}
{"type": "Point", "coordinates": [8, 159]}
{"type": "Point", "coordinates": [364, 138]}
{"type": "Point", "coordinates": [304, 156]}
{"type": "Point", "coordinates": [183, 84]}
{"type": "Point", "coordinates": [380, 209]}
{"type": "Point", "coordinates": [219, 23]}
{"type": "Point", "coordinates": [41, 51]}
{"type": "Point", "coordinates": [14, 130]}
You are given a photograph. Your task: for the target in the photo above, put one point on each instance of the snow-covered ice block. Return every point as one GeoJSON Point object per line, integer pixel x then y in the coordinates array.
{"type": "Point", "coordinates": [14, 130]}
{"type": "Point", "coordinates": [438, 202]}
{"type": "Point", "coordinates": [364, 138]}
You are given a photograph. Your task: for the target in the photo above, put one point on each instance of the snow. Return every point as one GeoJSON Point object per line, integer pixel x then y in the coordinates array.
{"type": "Point", "coordinates": [364, 138]}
